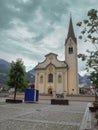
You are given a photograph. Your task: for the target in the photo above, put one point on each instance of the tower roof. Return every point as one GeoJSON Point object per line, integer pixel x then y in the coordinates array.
{"type": "Point", "coordinates": [71, 31]}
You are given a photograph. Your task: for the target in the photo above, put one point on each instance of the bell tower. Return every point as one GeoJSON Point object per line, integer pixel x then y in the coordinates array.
{"type": "Point", "coordinates": [71, 59]}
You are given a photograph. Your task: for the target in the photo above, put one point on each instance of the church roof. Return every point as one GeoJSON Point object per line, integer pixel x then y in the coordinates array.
{"type": "Point", "coordinates": [71, 31]}
{"type": "Point", "coordinates": [51, 58]}
{"type": "Point", "coordinates": [51, 54]}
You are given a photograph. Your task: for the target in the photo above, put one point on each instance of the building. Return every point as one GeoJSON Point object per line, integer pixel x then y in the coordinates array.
{"type": "Point", "coordinates": [57, 76]}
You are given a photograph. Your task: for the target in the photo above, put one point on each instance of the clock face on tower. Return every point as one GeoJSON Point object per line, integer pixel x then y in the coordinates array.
{"type": "Point", "coordinates": [70, 44]}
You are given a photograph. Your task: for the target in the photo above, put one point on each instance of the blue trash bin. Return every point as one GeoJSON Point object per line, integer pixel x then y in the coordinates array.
{"type": "Point", "coordinates": [31, 95]}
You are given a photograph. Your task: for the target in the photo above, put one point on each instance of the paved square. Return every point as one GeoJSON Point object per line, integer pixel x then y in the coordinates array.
{"type": "Point", "coordinates": [41, 116]}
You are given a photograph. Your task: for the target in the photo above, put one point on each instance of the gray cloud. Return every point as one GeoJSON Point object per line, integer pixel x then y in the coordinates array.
{"type": "Point", "coordinates": [32, 28]}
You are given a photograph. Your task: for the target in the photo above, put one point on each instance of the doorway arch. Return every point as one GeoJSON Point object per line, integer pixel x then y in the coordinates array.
{"type": "Point", "coordinates": [49, 90]}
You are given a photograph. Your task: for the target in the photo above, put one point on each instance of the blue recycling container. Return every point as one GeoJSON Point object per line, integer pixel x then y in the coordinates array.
{"type": "Point", "coordinates": [31, 95]}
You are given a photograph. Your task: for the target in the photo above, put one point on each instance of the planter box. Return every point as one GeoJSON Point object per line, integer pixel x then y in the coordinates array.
{"type": "Point", "coordinates": [13, 101]}
{"type": "Point", "coordinates": [92, 109]}
{"type": "Point", "coordinates": [59, 102]}
{"type": "Point", "coordinates": [95, 103]}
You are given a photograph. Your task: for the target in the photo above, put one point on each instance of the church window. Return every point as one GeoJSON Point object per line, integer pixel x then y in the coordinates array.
{"type": "Point", "coordinates": [70, 50]}
{"type": "Point", "coordinates": [50, 77]}
{"type": "Point", "coordinates": [59, 78]}
{"type": "Point", "coordinates": [41, 79]}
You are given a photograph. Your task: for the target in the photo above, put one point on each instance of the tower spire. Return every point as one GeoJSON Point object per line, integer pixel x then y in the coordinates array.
{"type": "Point", "coordinates": [71, 30]}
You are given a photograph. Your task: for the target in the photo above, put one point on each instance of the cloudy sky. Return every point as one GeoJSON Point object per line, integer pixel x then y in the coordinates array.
{"type": "Point", "coordinates": [30, 29]}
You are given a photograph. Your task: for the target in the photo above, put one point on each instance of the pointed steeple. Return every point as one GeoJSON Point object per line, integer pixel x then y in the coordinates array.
{"type": "Point", "coordinates": [71, 31]}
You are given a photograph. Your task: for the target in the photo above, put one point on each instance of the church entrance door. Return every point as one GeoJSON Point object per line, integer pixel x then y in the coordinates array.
{"type": "Point", "coordinates": [49, 91]}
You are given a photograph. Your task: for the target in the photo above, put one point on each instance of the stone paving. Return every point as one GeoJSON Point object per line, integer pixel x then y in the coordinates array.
{"type": "Point", "coordinates": [41, 116]}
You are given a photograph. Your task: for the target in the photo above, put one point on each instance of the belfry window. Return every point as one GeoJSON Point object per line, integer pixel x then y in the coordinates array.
{"type": "Point", "coordinates": [70, 50]}
{"type": "Point", "coordinates": [50, 77]}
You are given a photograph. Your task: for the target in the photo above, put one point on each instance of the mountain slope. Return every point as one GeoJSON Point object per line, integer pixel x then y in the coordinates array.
{"type": "Point", "coordinates": [4, 70]}
{"type": "Point", "coordinates": [30, 75]}
{"type": "Point", "coordinates": [84, 81]}
{"type": "Point", "coordinates": [4, 66]}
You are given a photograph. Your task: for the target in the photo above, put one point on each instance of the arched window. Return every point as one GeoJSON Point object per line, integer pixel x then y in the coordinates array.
{"type": "Point", "coordinates": [50, 77]}
{"type": "Point", "coordinates": [41, 79]}
{"type": "Point", "coordinates": [70, 50]}
{"type": "Point", "coordinates": [59, 78]}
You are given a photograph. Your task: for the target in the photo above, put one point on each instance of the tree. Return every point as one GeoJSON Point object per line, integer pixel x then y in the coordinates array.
{"type": "Point", "coordinates": [89, 33]}
{"type": "Point", "coordinates": [17, 76]}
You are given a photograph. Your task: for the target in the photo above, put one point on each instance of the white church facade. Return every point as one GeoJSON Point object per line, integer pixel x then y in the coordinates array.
{"type": "Point", "coordinates": [57, 76]}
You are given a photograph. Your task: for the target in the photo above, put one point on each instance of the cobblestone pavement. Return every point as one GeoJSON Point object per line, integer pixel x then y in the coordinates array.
{"type": "Point", "coordinates": [41, 116]}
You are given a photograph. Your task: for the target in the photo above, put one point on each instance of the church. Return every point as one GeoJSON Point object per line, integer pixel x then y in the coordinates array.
{"type": "Point", "coordinates": [53, 75]}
